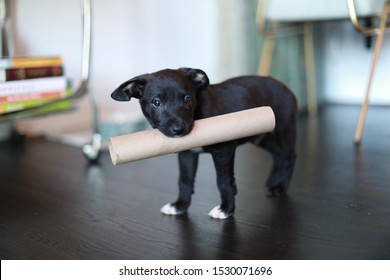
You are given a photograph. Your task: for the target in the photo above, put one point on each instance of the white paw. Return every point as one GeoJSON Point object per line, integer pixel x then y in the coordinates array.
{"type": "Point", "coordinates": [169, 209]}
{"type": "Point", "coordinates": [217, 213]}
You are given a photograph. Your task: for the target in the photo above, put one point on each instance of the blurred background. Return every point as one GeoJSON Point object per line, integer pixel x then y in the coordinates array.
{"type": "Point", "coordinates": [132, 37]}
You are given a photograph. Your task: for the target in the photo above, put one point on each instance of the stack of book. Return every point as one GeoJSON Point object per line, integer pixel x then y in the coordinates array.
{"type": "Point", "coordinates": [27, 82]}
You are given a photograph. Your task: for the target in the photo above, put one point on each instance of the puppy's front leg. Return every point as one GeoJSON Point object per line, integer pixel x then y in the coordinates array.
{"type": "Point", "coordinates": [188, 164]}
{"type": "Point", "coordinates": [223, 158]}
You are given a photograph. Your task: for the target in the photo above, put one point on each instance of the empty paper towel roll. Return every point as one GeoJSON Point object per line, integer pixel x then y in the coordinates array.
{"type": "Point", "coordinates": [222, 128]}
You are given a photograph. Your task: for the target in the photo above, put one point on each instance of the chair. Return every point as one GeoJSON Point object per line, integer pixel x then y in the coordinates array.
{"type": "Point", "coordinates": [299, 16]}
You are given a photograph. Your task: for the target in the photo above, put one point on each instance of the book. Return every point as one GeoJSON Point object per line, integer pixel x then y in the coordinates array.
{"type": "Point", "coordinates": [26, 62]}
{"type": "Point", "coordinates": [30, 86]}
{"type": "Point", "coordinates": [12, 74]}
{"type": "Point", "coordinates": [32, 96]}
{"type": "Point", "coordinates": [7, 107]}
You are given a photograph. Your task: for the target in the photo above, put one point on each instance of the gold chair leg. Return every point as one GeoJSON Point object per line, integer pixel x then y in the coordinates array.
{"type": "Point", "coordinates": [310, 69]}
{"type": "Point", "coordinates": [266, 56]}
{"type": "Point", "coordinates": [378, 45]}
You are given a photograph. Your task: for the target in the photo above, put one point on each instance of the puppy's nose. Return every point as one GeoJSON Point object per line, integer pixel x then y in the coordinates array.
{"type": "Point", "coordinates": [177, 130]}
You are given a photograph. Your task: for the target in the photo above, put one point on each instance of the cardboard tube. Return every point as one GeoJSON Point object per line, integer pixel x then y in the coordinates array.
{"type": "Point", "coordinates": [222, 128]}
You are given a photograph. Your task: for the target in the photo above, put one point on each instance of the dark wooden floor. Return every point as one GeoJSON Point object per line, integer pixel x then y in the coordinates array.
{"type": "Point", "coordinates": [53, 205]}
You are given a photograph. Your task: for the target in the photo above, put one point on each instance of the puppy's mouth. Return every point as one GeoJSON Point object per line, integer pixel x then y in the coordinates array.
{"type": "Point", "coordinates": [176, 131]}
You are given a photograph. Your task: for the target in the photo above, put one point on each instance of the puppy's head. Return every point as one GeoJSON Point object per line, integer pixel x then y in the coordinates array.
{"type": "Point", "coordinates": [168, 98]}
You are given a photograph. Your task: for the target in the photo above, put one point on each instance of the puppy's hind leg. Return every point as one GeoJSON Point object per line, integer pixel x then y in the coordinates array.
{"type": "Point", "coordinates": [188, 164]}
{"type": "Point", "coordinates": [281, 173]}
{"type": "Point", "coordinates": [283, 154]}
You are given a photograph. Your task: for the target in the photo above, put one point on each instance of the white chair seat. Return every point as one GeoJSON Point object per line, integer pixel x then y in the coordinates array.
{"type": "Point", "coordinates": [314, 10]}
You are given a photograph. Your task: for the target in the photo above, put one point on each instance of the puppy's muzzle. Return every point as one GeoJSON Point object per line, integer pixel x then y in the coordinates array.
{"type": "Point", "coordinates": [178, 130]}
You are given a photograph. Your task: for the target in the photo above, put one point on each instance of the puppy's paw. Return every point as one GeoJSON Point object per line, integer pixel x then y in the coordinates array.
{"type": "Point", "coordinates": [170, 209]}
{"type": "Point", "coordinates": [278, 190]}
{"type": "Point", "coordinates": [218, 213]}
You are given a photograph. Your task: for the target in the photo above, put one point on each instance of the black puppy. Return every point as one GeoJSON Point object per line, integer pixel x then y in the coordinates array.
{"type": "Point", "coordinates": [172, 99]}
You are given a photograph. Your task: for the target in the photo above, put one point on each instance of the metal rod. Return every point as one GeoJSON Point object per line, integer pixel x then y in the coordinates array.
{"type": "Point", "coordinates": [355, 22]}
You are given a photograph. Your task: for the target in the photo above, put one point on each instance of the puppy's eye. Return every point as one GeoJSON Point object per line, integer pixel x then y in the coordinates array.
{"type": "Point", "coordinates": [187, 99]}
{"type": "Point", "coordinates": [156, 103]}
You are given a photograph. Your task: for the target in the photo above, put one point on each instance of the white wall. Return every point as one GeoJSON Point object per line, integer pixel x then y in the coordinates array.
{"type": "Point", "coordinates": [347, 64]}
{"type": "Point", "coordinates": [139, 36]}
{"type": "Point", "coordinates": [135, 37]}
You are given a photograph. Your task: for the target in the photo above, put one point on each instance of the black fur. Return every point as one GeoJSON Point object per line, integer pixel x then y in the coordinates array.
{"type": "Point", "coordinates": [172, 99]}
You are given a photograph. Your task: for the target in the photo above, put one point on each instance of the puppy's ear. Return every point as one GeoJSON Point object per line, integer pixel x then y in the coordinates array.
{"type": "Point", "coordinates": [131, 88]}
{"type": "Point", "coordinates": [198, 76]}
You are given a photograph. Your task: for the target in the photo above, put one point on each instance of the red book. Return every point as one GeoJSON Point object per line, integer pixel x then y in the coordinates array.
{"type": "Point", "coordinates": [13, 74]}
